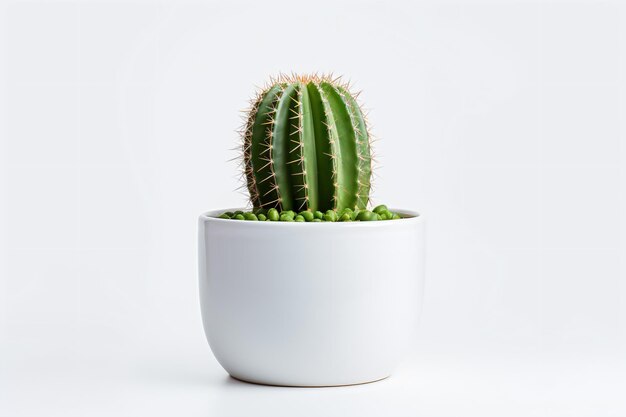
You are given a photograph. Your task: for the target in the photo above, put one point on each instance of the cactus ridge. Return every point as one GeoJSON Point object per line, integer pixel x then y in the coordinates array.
{"type": "Point", "coordinates": [306, 146]}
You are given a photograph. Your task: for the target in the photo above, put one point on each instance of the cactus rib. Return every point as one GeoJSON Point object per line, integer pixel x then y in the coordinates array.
{"type": "Point", "coordinates": [260, 172]}
{"type": "Point", "coordinates": [363, 144]}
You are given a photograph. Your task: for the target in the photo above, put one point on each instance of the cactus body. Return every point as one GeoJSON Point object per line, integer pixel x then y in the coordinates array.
{"type": "Point", "coordinates": [307, 147]}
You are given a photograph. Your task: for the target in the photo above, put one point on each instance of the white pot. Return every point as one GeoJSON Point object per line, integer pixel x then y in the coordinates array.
{"type": "Point", "coordinates": [310, 304]}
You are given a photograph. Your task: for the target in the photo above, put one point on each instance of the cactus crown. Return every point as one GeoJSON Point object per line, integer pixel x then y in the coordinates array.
{"type": "Point", "coordinates": [306, 146]}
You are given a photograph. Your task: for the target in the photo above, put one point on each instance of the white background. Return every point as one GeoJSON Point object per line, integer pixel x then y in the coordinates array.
{"type": "Point", "coordinates": [502, 122]}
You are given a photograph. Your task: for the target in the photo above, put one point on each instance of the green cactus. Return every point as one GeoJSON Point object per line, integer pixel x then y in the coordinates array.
{"type": "Point", "coordinates": [306, 146]}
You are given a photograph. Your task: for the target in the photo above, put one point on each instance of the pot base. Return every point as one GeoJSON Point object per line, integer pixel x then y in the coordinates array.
{"type": "Point", "coordinates": [268, 384]}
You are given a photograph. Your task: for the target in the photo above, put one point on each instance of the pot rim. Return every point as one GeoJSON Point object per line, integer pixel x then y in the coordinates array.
{"type": "Point", "coordinates": [413, 217]}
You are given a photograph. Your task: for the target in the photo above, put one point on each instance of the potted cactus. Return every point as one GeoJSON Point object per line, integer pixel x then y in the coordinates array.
{"type": "Point", "coordinates": [289, 302]}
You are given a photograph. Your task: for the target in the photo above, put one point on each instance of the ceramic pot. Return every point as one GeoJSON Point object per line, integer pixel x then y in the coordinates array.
{"type": "Point", "coordinates": [310, 304]}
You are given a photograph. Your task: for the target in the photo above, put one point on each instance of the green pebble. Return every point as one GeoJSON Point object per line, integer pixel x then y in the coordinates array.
{"type": "Point", "coordinates": [345, 218]}
{"type": "Point", "coordinates": [316, 220]}
{"type": "Point", "coordinates": [238, 212]}
{"type": "Point", "coordinates": [378, 217]}
{"type": "Point", "coordinates": [272, 214]}
{"type": "Point", "coordinates": [224, 216]}
{"type": "Point", "coordinates": [396, 216]}
{"type": "Point", "coordinates": [299, 218]}
{"type": "Point", "coordinates": [367, 216]}
{"type": "Point", "coordinates": [308, 216]}
{"type": "Point", "coordinates": [229, 214]}
{"type": "Point", "coordinates": [383, 216]}
{"type": "Point", "coordinates": [260, 210]}
{"type": "Point", "coordinates": [262, 217]}
{"type": "Point", "coordinates": [286, 217]}
{"type": "Point", "coordinates": [330, 216]}
{"type": "Point", "coordinates": [347, 211]}
{"type": "Point", "coordinates": [354, 214]}
{"type": "Point", "coordinates": [363, 215]}
{"type": "Point", "coordinates": [250, 216]}
{"type": "Point", "coordinates": [380, 209]}
{"type": "Point", "coordinates": [239, 217]}
{"type": "Point", "coordinates": [318, 215]}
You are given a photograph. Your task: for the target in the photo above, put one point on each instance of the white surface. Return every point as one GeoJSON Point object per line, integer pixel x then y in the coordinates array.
{"type": "Point", "coordinates": [314, 304]}
{"type": "Point", "coordinates": [189, 382]}
{"type": "Point", "coordinates": [503, 122]}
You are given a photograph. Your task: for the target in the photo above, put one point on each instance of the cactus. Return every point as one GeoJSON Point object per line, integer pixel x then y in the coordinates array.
{"type": "Point", "coordinates": [306, 146]}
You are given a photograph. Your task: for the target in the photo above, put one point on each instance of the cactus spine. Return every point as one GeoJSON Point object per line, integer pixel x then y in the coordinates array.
{"type": "Point", "coordinates": [306, 146]}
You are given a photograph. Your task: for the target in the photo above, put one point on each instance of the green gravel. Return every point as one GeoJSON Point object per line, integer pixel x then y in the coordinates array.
{"type": "Point", "coordinates": [378, 213]}
{"type": "Point", "coordinates": [273, 215]}
{"type": "Point", "coordinates": [250, 216]}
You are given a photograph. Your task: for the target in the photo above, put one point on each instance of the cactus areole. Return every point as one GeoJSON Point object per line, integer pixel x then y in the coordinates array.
{"type": "Point", "coordinates": [306, 146]}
